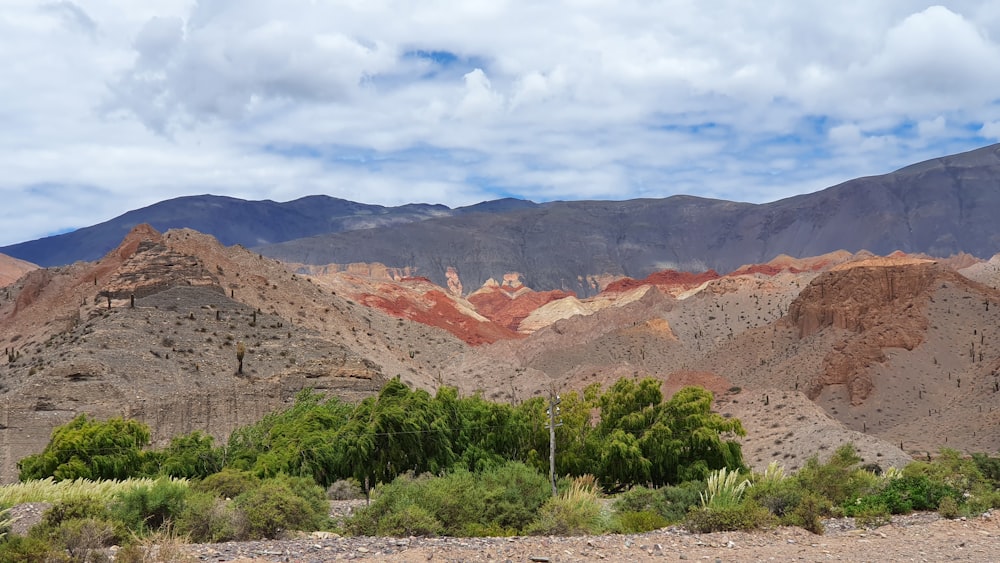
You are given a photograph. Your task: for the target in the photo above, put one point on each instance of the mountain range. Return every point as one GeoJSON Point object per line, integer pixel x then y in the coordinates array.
{"type": "Point", "coordinates": [939, 207]}
{"type": "Point", "coordinates": [896, 352]}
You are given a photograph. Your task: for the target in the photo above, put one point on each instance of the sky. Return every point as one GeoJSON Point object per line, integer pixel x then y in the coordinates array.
{"type": "Point", "coordinates": [108, 106]}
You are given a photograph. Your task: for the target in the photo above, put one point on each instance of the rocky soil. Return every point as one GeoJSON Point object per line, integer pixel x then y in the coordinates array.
{"type": "Point", "coordinates": [918, 537]}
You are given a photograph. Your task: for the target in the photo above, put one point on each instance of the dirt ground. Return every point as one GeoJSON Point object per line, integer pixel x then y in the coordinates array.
{"type": "Point", "coordinates": [918, 537]}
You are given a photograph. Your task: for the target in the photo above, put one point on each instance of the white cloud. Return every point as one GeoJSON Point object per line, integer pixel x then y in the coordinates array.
{"type": "Point", "coordinates": [991, 130]}
{"type": "Point", "coordinates": [932, 127]}
{"type": "Point", "coordinates": [110, 106]}
{"type": "Point", "coordinates": [479, 99]}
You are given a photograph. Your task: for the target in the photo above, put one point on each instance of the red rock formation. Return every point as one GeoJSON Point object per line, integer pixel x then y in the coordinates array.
{"type": "Point", "coordinates": [666, 279]}
{"type": "Point", "coordinates": [880, 302]}
{"type": "Point", "coordinates": [508, 308]}
{"type": "Point", "coordinates": [435, 308]}
{"type": "Point", "coordinates": [852, 296]}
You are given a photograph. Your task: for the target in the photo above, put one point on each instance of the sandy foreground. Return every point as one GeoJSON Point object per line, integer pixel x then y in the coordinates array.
{"type": "Point", "coordinates": [918, 537]}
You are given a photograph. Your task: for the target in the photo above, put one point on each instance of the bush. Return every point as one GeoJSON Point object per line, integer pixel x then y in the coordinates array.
{"type": "Point", "coordinates": [574, 512]}
{"type": "Point", "coordinates": [84, 538]}
{"type": "Point", "coordinates": [22, 549]}
{"type": "Point", "coordinates": [190, 456]}
{"type": "Point", "coordinates": [780, 497]}
{"type": "Point", "coordinates": [146, 509]}
{"type": "Point", "coordinates": [345, 489]}
{"type": "Point", "coordinates": [808, 513]}
{"type": "Point", "coordinates": [989, 467]}
{"type": "Point", "coordinates": [498, 501]}
{"type": "Point", "coordinates": [74, 508]}
{"type": "Point", "coordinates": [746, 516]}
{"type": "Point", "coordinates": [672, 503]}
{"type": "Point", "coordinates": [948, 508]}
{"type": "Point", "coordinates": [514, 493]}
{"type": "Point", "coordinates": [639, 522]}
{"type": "Point", "coordinates": [837, 480]}
{"type": "Point", "coordinates": [162, 546]}
{"type": "Point", "coordinates": [209, 519]}
{"type": "Point", "coordinates": [411, 520]}
{"type": "Point", "coordinates": [281, 504]}
{"type": "Point", "coordinates": [902, 496]}
{"type": "Point", "coordinates": [980, 502]}
{"type": "Point", "coordinates": [873, 516]}
{"type": "Point", "coordinates": [228, 483]}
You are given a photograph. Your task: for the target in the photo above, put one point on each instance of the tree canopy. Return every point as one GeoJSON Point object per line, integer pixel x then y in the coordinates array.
{"type": "Point", "coordinates": [638, 438]}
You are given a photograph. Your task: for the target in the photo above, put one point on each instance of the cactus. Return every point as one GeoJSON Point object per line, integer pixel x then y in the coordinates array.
{"type": "Point", "coordinates": [241, 350]}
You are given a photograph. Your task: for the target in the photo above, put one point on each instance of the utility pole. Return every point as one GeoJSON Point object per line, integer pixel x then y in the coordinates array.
{"type": "Point", "coordinates": [553, 411]}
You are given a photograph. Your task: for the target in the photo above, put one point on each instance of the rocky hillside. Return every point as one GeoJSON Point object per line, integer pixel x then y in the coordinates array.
{"type": "Point", "coordinates": [150, 331]}
{"type": "Point", "coordinates": [11, 269]}
{"type": "Point", "coordinates": [896, 353]}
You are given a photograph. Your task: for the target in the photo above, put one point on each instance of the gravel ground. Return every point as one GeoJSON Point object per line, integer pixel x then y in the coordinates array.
{"type": "Point", "coordinates": [918, 537]}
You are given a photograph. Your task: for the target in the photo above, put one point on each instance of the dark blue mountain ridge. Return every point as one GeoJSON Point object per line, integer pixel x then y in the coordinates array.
{"type": "Point", "coordinates": [939, 207]}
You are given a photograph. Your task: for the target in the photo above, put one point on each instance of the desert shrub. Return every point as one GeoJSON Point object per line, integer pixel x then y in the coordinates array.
{"type": "Point", "coordinates": [980, 502]}
{"type": "Point", "coordinates": [950, 468]}
{"type": "Point", "coordinates": [948, 508]}
{"type": "Point", "coordinates": [672, 503]}
{"type": "Point", "coordinates": [163, 546]}
{"type": "Point", "coordinates": [902, 496]}
{"type": "Point", "coordinates": [410, 520]}
{"type": "Point", "coordinates": [74, 508]}
{"type": "Point", "coordinates": [838, 479]}
{"type": "Point", "coordinates": [808, 513]}
{"type": "Point", "coordinates": [972, 478]}
{"type": "Point", "coordinates": [345, 489]}
{"type": "Point", "coordinates": [27, 549]}
{"type": "Point", "coordinates": [514, 494]}
{"type": "Point", "coordinates": [496, 501]}
{"type": "Point", "coordinates": [573, 512]}
{"type": "Point", "coordinates": [281, 504]}
{"type": "Point", "coordinates": [228, 483]}
{"type": "Point", "coordinates": [638, 522]}
{"type": "Point", "coordinates": [404, 494]}
{"type": "Point", "coordinates": [989, 467]}
{"type": "Point", "coordinates": [780, 497]}
{"type": "Point", "coordinates": [492, 530]}
{"type": "Point", "coordinates": [307, 489]}
{"type": "Point", "coordinates": [680, 499]}
{"type": "Point", "coordinates": [744, 516]}
{"type": "Point", "coordinates": [145, 509]}
{"type": "Point", "coordinates": [872, 516]}
{"type": "Point", "coordinates": [85, 538]}
{"type": "Point", "coordinates": [208, 519]}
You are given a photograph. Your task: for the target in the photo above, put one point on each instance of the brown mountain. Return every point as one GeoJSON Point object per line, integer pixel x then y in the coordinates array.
{"type": "Point", "coordinates": [11, 269]}
{"type": "Point", "coordinates": [77, 344]}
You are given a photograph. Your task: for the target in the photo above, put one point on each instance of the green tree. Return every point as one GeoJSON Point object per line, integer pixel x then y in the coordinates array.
{"type": "Point", "coordinates": [190, 456]}
{"type": "Point", "coordinates": [90, 449]}
{"type": "Point", "coordinates": [640, 439]}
